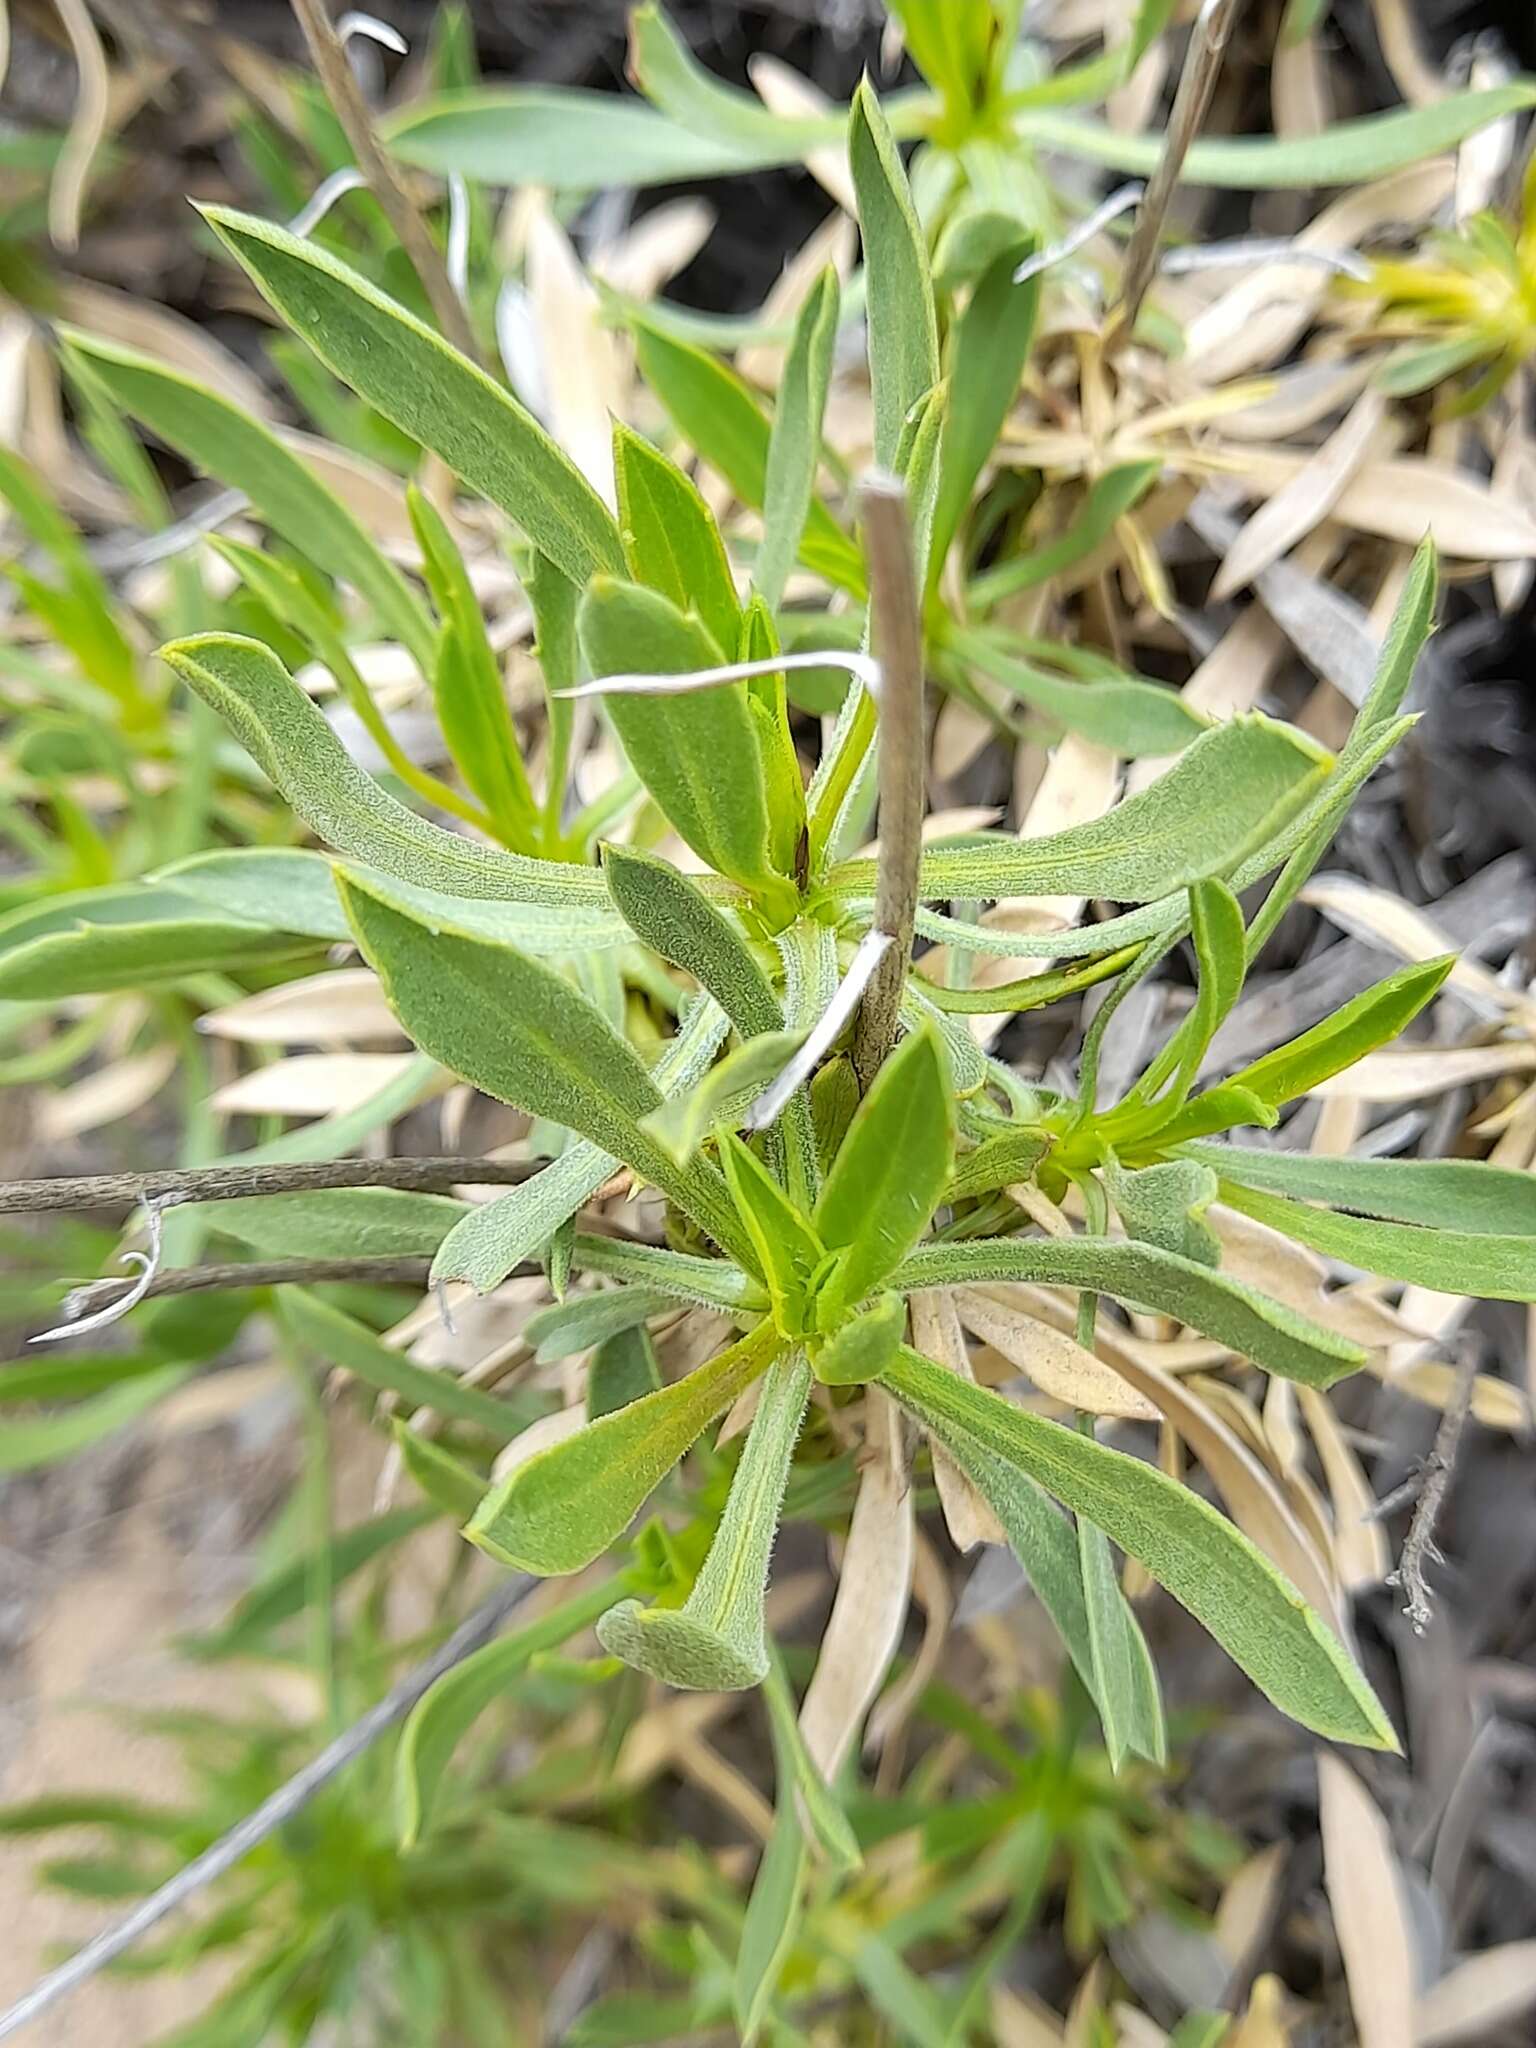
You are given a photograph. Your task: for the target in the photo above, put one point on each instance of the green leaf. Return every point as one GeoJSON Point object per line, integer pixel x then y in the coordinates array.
{"type": "Point", "coordinates": [492, 1240]}
{"type": "Point", "coordinates": [41, 1440]}
{"type": "Point", "coordinates": [698, 753]}
{"type": "Point", "coordinates": [1446, 1194]}
{"type": "Point", "coordinates": [918, 464]}
{"type": "Point", "coordinates": [1226, 796]}
{"type": "Point", "coordinates": [282, 889]}
{"type": "Point", "coordinates": [989, 346]}
{"type": "Point", "coordinates": [623, 1369]}
{"type": "Point", "coordinates": [1164, 1205]}
{"type": "Point", "coordinates": [717, 1641]}
{"type": "Point", "coordinates": [1209, 1566]}
{"type": "Point", "coordinates": [467, 687]}
{"type": "Point", "coordinates": [524, 1035]}
{"type": "Point", "coordinates": [287, 736]}
{"type": "Point", "coordinates": [1108, 499]}
{"type": "Point", "coordinates": [447, 1481]}
{"type": "Point", "coordinates": [81, 612]}
{"type": "Point", "coordinates": [861, 1348]}
{"type": "Point", "coordinates": [1367, 1021]}
{"type": "Point", "coordinates": [724, 1095]}
{"type": "Point", "coordinates": [1220, 951]}
{"type": "Point", "coordinates": [997, 1162]}
{"type": "Point", "coordinates": [827, 1821]}
{"type": "Point", "coordinates": [1274, 1337]}
{"type": "Point", "coordinates": [1120, 713]}
{"type": "Point", "coordinates": [339, 1339]}
{"type": "Point", "coordinates": [772, 1920]}
{"type": "Point", "coordinates": [665, 70]}
{"type": "Point", "coordinates": [789, 1252]}
{"type": "Point", "coordinates": [794, 447]}
{"type": "Point", "coordinates": [1496, 1268]}
{"type": "Point", "coordinates": [888, 1176]}
{"type": "Point", "coordinates": [670, 540]}
{"type": "Point", "coordinates": [903, 328]}
{"type": "Point", "coordinates": [220, 439]}
{"type": "Point", "coordinates": [1115, 1680]}
{"type": "Point", "coordinates": [582, 1320]}
{"type": "Point", "coordinates": [719, 417]}
{"type": "Point", "coordinates": [1347, 153]}
{"type": "Point", "coordinates": [673, 915]}
{"type": "Point", "coordinates": [446, 1712]}
{"type": "Point", "coordinates": [97, 959]}
{"type": "Point", "coordinates": [411, 375]}
{"type": "Point", "coordinates": [565, 1505]}
{"type": "Point", "coordinates": [949, 44]}
{"type": "Point", "coordinates": [337, 1223]}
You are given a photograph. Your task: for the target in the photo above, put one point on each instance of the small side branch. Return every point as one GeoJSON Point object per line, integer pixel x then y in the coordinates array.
{"type": "Point", "coordinates": [234, 1183]}
{"type": "Point", "coordinates": [83, 1303]}
{"type": "Point", "coordinates": [1197, 82]}
{"type": "Point", "coordinates": [1431, 1483]}
{"type": "Point", "coordinates": [330, 59]}
{"type": "Point", "coordinates": [272, 1814]}
{"type": "Point", "coordinates": [896, 622]}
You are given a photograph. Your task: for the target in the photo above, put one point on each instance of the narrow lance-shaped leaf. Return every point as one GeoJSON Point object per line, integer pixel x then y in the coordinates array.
{"type": "Point", "coordinates": [789, 1252]}
{"type": "Point", "coordinates": [290, 741]}
{"type": "Point", "coordinates": [564, 1506]}
{"type": "Point", "coordinates": [717, 1641]}
{"type": "Point", "coordinates": [467, 685]}
{"type": "Point", "coordinates": [1369, 1020]}
{"type": "Point", "coordinates": [1110, 497]}
{"type": "Point", "coordinates": [888, 1175]}
{"type": "Point", "coordinates": [1255, 1327]}
{"type": "Point", "coordinates": [794, 448]}
{"type": "Point", "coordinates": [988, 348]}
{"type": "Point", "coordinates": [670, 540]}
{"type": "Point", "coordinates": [698, 753]}
{"type": "Point", "coordinates": [1119, 712]}
{"type": "Point", "coordinates": [1225, 796]}
{"type": "Point", "coordinates": [226, 443]}
{"type": "Point", "coordinates": [1210, 1567]}
{"type": "Point", "coordinates": [1469, 1195]}
{"type": "Point", "coordinates": [673, 915]}
{"type": "Point", "coordinates": [903, 329]}
{"type": "Point", "coordinates": [523, 1035]}
{"type": "Point", "coordinates": [724, 1095]}
{"type": "Point", "coordinates": [322, 1328]}
{"type": "Point", "coordinates": [1497, 1268]}
{"type": "Point", "coordinates": [412, 376]}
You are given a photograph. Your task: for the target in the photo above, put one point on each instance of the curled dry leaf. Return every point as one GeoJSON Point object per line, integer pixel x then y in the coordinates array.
{"type": "Point", "coordinates": [873, 1589]}
{"type": "Point", "coordinates": [1359, 1542]}
{"type": "Point", "coordinates": [1370, 1913]}
{"type": "Point", "coordinates": [312, 1084]}
{"type": "Point", "coordinates": [1483, 1993]}
{"type": "Point", "coordinates": [930, 1587]}
{"type": "Point", "coordinates": [1260, 1257]}
{"type": "Point", "coordinates": [936, 1332]}
{"type": "Point", "coordinates": [1401, 1076]}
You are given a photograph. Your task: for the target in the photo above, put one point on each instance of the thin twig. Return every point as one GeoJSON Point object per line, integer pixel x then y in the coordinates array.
{"type": "Point", "coordinates": [234, 1183]}
{"type": "Point", "coordinates": [896, 626]}
{"type": "Point", "coordinates": [1197, 81]}
{"type": "Point", "coordinates": [377, 1271]}
{"type": "Point", "coordinates": [1419, 1547]}
{"type": "Point", "coordinates": [272, 1814]}
{"type": "Point", "coordinates": [345, 95]}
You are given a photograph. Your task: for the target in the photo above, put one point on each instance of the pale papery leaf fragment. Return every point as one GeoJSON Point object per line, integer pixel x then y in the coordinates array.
{"type": "Point", "coordinates": [1370, 1913]}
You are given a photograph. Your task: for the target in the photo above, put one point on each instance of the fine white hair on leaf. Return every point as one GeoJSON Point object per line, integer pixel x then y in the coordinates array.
{"type": "Point", "coordinates": [355, 23]}
{"type": "Point", "coordinates": [457, 259]}
{"type": "Point", "coordinates": [147, 1263]}
{"type": "Point", "coordinates": [863, 666]}
{"type": "Point", "coordinates": [872, 949]}
{"type": "Point", "coordinates": [1251, 249]}
{"type": "Point", "coordinates": [1121, 200]}
{"type": "Point", "coordinates": [324, 197]}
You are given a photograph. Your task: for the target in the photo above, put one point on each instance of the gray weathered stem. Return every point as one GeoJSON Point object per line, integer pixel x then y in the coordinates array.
{"type": "Point", "coordinates": [896, 631]}
{"type": "Point", "coordinates": [378, 1271]}
{"type": "Point", "coordinates": [272, 1814]}
{"type": "Point", "coordinates": [1197, 81]}
{"type": "Point", "coordinates": [235, 1183]}
{"type": "Point", "coordinates": [330, 60]}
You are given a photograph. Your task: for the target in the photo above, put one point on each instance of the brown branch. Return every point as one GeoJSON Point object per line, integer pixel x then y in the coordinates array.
{"type": "Point", "coordinates": [1197, 81]}
{"type": "Point", "coordinates": [1419, 1548]}
{"type": "Point", "coordinates": [350, 108]}
{"type": "Point", "coordinates": [234, 1183]}
{"type": "Point", "coordinates": [896, 624]}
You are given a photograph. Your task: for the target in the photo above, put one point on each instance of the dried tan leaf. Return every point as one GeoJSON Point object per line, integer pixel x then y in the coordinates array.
{"type": "Point", "coordinates": [655, 248]}
{"type": "Point", "coordinates": [762, 362]}
{"type": "Point", "coordinates": [936, 1332]}
{"type": "Point", "coordinates": [1483, 1993]}
{"type": "Point", "coordinates": [1495, 1403]}
{"type": "Point", "coordinates": [169, 337]}
{"type": "Point", "coordinates": [1020, 2020]}
{"type": "Point", "coordinates": [1134, 2030]}
{"type": "Point", "coordinates": [1359, 1543]}
{"type": "Point", "coordinates": [106, 1095]}
{"type": "Point", "coordinates": [539, 1436]}
{"type": "Point", "coordinates": [1368, 912]}
{"type": "Point", "coordinates": [1056, 1364]}
{"type": "Point", "coordinates": [1248, 1902]}
{"type": "Point", "coordinates": [1299, 87]}
{"type": "Point", "coordinates": [1264, 2024]}
{"type": "Point", "coordinates": [582, 384]}
{"type": "Point", "coordinates": [1298, 397]}
{"type": "Point", "coordinates": [930, 1587]}
{"type": "Point", "coordinates": [1261, 1257]}
{"type": "Point", "coordinates": [367, 489]}
{"type": "Point", "coordinates": [792, 96]}
{"type": "Point", "coordinates": [311, 1084]}
{"type": "Point", "coordinates": [1370, 1914]}
{"type": "Point", "coordinates": [1303, 503]}
{"type": "Point", "coordinates": [873, 1589]}
{"type": "Point", "coordinates": [347, 1005]}
{"type": "Point", "coordinates": [1404, 499]}
{"type": "Point", "coordinates": [1397, 33]}
{"type": "Point", "coordinates": [1400, 1076]}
